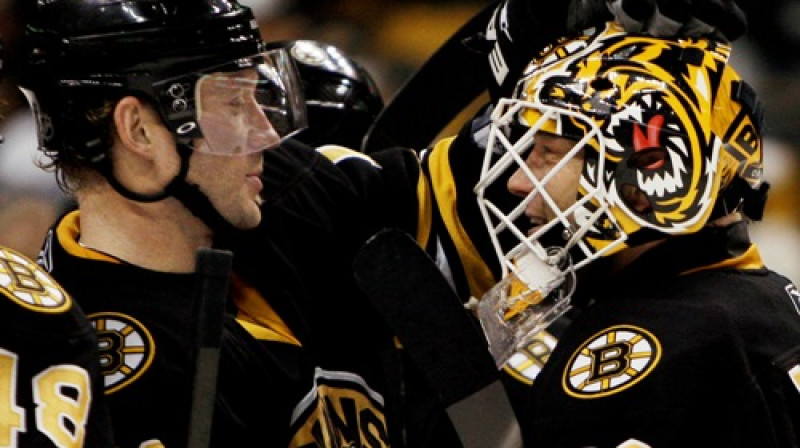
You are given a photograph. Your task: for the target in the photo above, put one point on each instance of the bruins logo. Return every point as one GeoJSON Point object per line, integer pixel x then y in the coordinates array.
{"type": "Point", "coordinates": [308, 53]}
{"type": "Point", "coordinates": [126, 349]}
{"type": "Point", "coordinates": [611, 361]}
{"type": "Point", "coordinates": [27, 284]}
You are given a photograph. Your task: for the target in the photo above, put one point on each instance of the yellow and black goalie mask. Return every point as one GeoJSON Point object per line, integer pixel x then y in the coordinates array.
{"type": "Point", "coordinates": [663, 127]}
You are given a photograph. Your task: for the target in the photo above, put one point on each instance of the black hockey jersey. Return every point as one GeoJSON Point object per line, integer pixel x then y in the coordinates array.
{"type": "Point", "coordinates": [50, 380]}
{"type": "Point", "coordinates": [270, 391]}
{"type": "Point", "coordinates": [708, 286]}
{"type": "Point", "coordinates": [300, 345]}
{"type": "Point", "coordinates": [321, 205]}
{"type": "Point", "coordinates": [696, 344]}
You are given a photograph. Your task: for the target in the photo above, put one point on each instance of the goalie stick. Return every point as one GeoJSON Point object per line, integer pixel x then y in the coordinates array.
{"type": "Point", "coordinates": [439, 88]}
{"type": "Point", "coordinates": [482, 60]}
{"type": "Point", "coordinates": [212, 277]}
{"type": "Point", "coordinates": [437, 332]}
{"type": "Point", "coordinates": [415, 300]}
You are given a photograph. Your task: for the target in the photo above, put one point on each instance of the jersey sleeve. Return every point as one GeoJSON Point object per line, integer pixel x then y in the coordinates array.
{"type": "Point", "coordinates": [430, 195]}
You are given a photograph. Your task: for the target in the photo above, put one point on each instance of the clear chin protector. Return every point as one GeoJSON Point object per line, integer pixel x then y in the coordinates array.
{"type": "Point", "coordinates": [537, 259]}
{"type": "Point", "coordinates": [246, 106]}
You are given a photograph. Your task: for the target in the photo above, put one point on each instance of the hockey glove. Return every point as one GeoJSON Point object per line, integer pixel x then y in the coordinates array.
{"type": "Point", "coordinates": [722, 19]}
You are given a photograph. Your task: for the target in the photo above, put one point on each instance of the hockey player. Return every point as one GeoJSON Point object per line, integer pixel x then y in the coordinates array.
{"type": "Point", "coordinates": [159, 117]}
{"type": "Point", "coordinates": [447, 224]}
{"type": "Point", "coordinates": [636, 168]}
{"type": "Point", "coordinates": [49, 361]}
{"type": "Point", "coordinates": [156, 115]}
{"type": "Point", "coordinates": [714, 208]}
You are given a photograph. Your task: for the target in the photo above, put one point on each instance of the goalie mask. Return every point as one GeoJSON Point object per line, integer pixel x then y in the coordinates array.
{"type": "Point", "coordinates": [611, 140]}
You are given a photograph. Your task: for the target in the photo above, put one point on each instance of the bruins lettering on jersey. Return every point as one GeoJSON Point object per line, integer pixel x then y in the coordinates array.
{"type": "Point", "coordinates": [126, 348]}
{"type": "Point", "coordinates": [340, 410]}
{"type": "Point", "coordinates": [30, 286]}
{"type": "Point", "coordinates": [610, 361]}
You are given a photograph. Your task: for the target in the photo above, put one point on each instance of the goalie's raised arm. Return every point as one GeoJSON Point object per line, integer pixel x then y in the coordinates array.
{"type": "Point", "coordinates": [522, 27]}
{"type": "Point", "coordinates": [665, 18]}
{"type": "Point", "coordinates": [491, 49]}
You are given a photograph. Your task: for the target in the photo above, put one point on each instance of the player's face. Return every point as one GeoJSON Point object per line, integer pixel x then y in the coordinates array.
{"type": "Point", "coordinates": [231, 114]}
{"type": "Point", "coordinates": [227, 162]}
{"type": "Point", "coordinates": [231, 183]}
{"type": "Point", "coordinates": [547, 158]}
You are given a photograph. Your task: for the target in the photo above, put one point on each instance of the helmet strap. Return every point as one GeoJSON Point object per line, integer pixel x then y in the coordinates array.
{"type": "Point", "coordinates": [189, 195]}
{"type": "Point", "coordinates": [104, 166]}
{"type": "Point", "coordinates": [194, 199]}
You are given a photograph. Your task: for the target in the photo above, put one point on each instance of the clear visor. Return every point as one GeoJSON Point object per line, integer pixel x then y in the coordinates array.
{"type": "Point", "coordinates": [248, 106]}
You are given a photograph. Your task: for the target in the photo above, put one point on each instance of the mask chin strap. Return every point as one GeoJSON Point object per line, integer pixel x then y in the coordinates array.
{"type": "Point", "coordinates": [189, 195]}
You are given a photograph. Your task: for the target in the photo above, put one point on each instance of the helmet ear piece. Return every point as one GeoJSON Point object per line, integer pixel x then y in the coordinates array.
{"type": "Point", "coordinates": [70, 133]}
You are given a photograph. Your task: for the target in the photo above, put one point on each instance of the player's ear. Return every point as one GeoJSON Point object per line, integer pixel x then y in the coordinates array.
{"type": "Point", "coordinates": [133, 124]}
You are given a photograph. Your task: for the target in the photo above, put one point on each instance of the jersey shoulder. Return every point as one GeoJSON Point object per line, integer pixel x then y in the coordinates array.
{"type": "Point", "coordinates": [25, 285]}
{"type": "Point", "coordinates": [340, 154]}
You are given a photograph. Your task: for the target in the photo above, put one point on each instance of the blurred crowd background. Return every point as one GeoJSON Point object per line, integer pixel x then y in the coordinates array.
{"type": "Point", "coordinates": [391, 38]}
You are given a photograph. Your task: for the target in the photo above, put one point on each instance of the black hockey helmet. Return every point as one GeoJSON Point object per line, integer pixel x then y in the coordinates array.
{"type": "Point", "coordinates": [342, 98]}
{"type": "Point", "coordinates": [81, 53]}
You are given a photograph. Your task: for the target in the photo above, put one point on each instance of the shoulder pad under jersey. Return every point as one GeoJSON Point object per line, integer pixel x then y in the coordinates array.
{"type": "Point", "coordinates": [29, 286]}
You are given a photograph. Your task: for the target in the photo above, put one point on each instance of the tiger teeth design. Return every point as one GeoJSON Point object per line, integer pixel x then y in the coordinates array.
{"type": "Point", "coordinates": [656, 183]}
{"type": "Point", "coordinates": [659, 184]}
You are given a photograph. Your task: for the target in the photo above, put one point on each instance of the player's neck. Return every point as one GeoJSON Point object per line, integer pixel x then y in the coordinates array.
{"type": "Point", "coordinates": [161, 236]}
